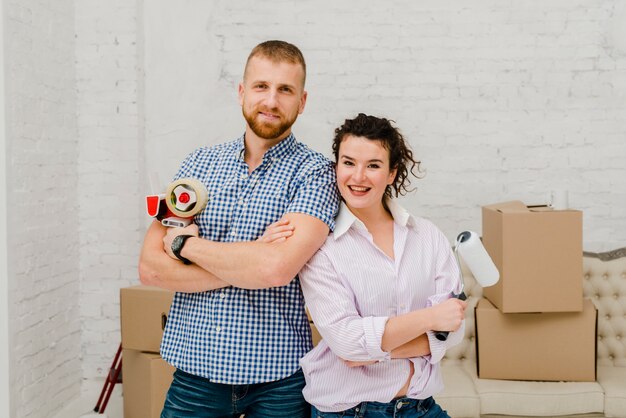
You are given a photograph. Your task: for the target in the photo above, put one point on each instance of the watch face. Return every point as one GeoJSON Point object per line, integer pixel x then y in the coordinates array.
{"type": "Point", "coordinates": [177, 245]}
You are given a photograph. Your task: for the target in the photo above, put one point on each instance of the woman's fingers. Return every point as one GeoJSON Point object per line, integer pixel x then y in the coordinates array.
{"type": "Point", "coordinates": [277, 232]}
{"type": "Point", "coordinates": [272, 237]}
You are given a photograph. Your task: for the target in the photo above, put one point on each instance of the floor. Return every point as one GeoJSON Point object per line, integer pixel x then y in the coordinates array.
{"type": "Point", "coordinates": [83, 407]}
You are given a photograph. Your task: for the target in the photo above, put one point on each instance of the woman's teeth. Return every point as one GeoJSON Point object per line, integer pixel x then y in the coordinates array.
{"type": "Point", "coordinates": [358, 188]}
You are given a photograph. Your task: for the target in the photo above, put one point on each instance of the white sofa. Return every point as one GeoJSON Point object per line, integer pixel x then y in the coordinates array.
{"type": "Point", "coordinates": [465, 395]}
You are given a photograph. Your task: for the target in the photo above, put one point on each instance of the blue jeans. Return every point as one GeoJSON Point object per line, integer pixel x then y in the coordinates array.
{"type": "Point", "coordinates": [398, 408]}
{"type": "Point", "coordinates": [191, 396]}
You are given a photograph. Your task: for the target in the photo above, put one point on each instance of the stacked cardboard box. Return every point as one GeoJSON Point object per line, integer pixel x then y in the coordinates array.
{"type": "Point", "coordinates": [315, 334]}
{"type": "Point", "coordinates": [534, 323]}
{"type": "Point", "coordinates": [146, 376]}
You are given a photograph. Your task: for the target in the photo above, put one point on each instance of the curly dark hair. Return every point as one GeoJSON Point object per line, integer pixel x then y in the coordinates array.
{"type": "Point", "coordinates": [400, 154]}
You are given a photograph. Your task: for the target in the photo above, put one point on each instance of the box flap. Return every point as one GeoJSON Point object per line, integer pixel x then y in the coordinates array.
{"type": "Point", "coordinates": [144, 288]}
{"type": "Point", "coordinates": [484, 304]}
{"type": "Point", "coordinates": [508, 207]}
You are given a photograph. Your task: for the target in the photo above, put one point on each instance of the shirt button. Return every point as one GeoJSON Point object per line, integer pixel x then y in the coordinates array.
{"type": "Point", "coordinates": [233, 233]}
{"type": "Point", "coordinates": [222, 295]}
{"type": "Point", "coordinates": [244, 176]}
{"type": "Point", "coordinates": [218, 328]}
{"type": "Point", "coordinates": [241, 202]}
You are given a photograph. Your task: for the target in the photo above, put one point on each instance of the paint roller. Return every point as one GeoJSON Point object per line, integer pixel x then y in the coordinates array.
{"type": "Point", "coordinates": [469, 247]}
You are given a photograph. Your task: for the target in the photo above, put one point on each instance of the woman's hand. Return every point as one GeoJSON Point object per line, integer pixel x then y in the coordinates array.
{"type": "Point", "coordinates": [277, 232]}
{"type": "Point", "coordinates": [448, 315]}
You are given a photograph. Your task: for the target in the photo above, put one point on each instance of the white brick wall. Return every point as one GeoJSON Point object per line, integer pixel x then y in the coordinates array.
{"type": "Point", "coordinates": [109, 160]}
{"type": "Point", "coordinates": [500, 100]}
{"type": "Point", "coordinates": [43, 209]}
{"type": "Point", "coordinates": [5, 268]}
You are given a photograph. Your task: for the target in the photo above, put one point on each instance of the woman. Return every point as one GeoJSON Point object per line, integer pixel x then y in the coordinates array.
{"type": "Point", "coordinates": [378, 288]}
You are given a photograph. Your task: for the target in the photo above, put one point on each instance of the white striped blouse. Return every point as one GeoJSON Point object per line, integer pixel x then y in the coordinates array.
{"type": "Point", "coordinates": [352, 288]}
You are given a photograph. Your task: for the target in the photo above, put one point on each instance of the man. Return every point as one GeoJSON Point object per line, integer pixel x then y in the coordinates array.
{"type": "Point", "coordinates": [237, 326]}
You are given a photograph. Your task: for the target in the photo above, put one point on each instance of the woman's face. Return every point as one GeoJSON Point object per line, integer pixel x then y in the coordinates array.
{"type": "Point", "coordinates": [363, 172]}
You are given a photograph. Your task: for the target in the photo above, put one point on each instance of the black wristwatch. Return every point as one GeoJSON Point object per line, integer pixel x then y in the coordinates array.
{"type": "Point", "coordinates": [177, 246]}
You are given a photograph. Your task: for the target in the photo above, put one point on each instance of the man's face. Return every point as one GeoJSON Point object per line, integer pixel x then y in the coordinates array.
{"type": "Point", "coordinates": [271, 97]}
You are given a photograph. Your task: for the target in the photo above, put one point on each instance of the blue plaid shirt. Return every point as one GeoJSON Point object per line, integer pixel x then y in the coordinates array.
{"type": "Point", "coordinates": [241, 336]}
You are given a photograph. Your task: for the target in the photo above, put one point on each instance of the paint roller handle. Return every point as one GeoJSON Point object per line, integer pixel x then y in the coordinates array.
{"type": "Point", "coordinates": [443, 335]}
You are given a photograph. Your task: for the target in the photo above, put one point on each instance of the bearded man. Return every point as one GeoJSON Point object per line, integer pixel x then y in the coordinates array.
{"type": "Point", "coordinates": [237, 326]}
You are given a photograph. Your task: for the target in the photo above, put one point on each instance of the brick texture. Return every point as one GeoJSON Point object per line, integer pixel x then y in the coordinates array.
{"type": "Point", "coordinates": [108, 167]}
{"type": "Point", "coordinates": [43, 209]}
{"type": "Point", "coordinates": [499, 100]}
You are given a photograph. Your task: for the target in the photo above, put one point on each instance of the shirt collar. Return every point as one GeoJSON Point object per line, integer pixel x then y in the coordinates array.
{"type": "Point", "coordinates": [346, 219]}
{"type": "Point", "coordinates": [277, 152]}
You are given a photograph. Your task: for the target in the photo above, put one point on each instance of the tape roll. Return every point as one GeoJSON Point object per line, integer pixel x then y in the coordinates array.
{"type": "Point", "coordinates": [472, 251]}
{"type": "Point", "coordinates": [186, 197]}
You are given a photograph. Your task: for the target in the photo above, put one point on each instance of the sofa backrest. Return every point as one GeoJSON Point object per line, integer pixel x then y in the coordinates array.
{"type": "Point", "coordinates": [604, 282]}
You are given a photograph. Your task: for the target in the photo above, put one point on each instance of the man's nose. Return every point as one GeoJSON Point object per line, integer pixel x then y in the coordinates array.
{"type": "Point", "coordinates": [271, 100]}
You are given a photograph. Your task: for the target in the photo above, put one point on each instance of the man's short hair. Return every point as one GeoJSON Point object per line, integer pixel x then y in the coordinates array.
{"type": "Point", "coordinates": [277, 52]}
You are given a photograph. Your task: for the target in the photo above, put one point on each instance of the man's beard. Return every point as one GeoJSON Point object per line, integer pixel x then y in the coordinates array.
{"type": "Point", "coordinates": [267, 130]}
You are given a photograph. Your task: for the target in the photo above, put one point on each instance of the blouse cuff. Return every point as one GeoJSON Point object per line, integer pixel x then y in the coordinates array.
{"type": "Point", "coordinates": [437, 348]}
{"type": "Point", "coordinates": [373, 328]}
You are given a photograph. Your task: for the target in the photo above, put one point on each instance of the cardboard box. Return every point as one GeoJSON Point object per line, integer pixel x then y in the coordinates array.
{"type": "Point", "coordinates": [538, 252]}
{"type": "Point", "coordinates": [536, 346]}
{"type": "Point", "coordinates": [144, 311]}
{"type": "Point", "coordinates": [146, 380]}
{"type": "Point", "coordinates": [315, 334]}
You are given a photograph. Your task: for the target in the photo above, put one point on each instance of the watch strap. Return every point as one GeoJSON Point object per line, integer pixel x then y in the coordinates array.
{"type": "Point", "coordinates": [177, 246]}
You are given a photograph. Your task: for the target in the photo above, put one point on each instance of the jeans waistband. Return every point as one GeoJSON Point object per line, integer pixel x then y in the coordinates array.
{"type": "Point", "coordinates": [396, 404]}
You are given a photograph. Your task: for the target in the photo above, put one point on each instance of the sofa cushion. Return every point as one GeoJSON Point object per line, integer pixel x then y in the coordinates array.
{"type": "Point", "coordinates": [459, 397]}
{"type": "Point", "coordinates": [613, 381]}
{"type": "Point", "coordinates": [510, 397]}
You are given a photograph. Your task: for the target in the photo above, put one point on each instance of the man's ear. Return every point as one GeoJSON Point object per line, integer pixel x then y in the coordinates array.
{"type": "Point", "coordinates": [302, 102]}
{"type": "Point", "coordinates": [240, 93]}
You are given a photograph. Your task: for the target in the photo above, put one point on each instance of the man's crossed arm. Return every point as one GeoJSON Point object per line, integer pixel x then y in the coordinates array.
{"type": "Point", "coordinates": [250, 265]}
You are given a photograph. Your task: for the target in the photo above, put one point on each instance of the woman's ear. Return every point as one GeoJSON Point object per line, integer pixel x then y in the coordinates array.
{"type": "Point", "coordinates": [392, 176]}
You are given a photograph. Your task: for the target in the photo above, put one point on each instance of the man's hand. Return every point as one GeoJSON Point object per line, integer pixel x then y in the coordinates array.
{"type": "Point", "coordinates": [277, 232]}
{"type": "Point", "coordinates": [173, 233]}
{"type": "Point", "coordinates": [448, 315]}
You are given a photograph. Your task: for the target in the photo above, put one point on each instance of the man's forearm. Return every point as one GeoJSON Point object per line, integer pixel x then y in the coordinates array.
{"type": "Point", "coordinates": [257, 264]}
{"type": "Point", "coordinates": [249, 265]}
{"type": "Point", "coordinates": [156, 268]}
